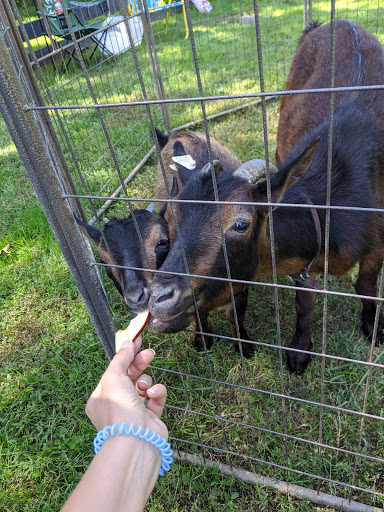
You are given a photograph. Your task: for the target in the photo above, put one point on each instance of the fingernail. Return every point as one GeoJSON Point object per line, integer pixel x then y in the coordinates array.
{"type": "Point", "coordinates": [143, 380]}
{"type": "Point", "coordinates": [154, 390]}
{"type": "Point", "coordinates": [154, 353]}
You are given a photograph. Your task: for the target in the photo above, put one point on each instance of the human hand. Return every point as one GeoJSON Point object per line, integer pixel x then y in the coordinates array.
{"type": "Point", "coordinates": [116, 399]}
{"type": "Point", "coordinates": [123, 473]}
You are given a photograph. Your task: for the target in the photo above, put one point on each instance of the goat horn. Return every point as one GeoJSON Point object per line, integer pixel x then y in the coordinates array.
{"type": "Point", "coordinates": [151, 207]}
{"type": "Point", "coordinates": [254, 170]}
{"type": "Point", "coordinates": [216, 166]}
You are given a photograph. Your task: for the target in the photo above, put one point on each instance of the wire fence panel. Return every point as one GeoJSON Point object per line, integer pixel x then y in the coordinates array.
{"type": "Point", "coordinates": [319, 435]}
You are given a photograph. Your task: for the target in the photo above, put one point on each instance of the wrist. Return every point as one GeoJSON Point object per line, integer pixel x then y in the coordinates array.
{"type": "Point", "coordinates": [131, 455]}
{"type": "Point", "coordinates": [145, 434]}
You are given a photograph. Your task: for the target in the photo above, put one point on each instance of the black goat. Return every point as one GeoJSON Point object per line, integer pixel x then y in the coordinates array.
{"type": "Point", "coordinates": [119, 244]}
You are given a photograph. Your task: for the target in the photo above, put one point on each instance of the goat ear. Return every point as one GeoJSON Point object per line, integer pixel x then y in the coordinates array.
{"type": "Point", "coordinates": [184, 173]}
{"type": "Point", "coordinates": [285, 177]}
{"type": "Point", "coordinates": [163, 210]}
{"type": "Point", "coordinates": [301, 163]}
{"type": "Point", "coordinates": [175, 187]}
{"type": "Point", "coordinates": [178, 149]}
{"type": "Point", "coordinates": [93, 234]}
{"type": "Point", "coordinates": [162, 138]}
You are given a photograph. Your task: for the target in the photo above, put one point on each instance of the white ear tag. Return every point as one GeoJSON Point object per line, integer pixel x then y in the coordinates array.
{"type": "Point", "coordinates": [173, 166]}
{"type": "Point", "coordinates": [186, 161]}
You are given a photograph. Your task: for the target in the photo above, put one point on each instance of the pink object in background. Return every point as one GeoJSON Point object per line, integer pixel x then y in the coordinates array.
{"type": "Point", "coordinates": [202, 5]}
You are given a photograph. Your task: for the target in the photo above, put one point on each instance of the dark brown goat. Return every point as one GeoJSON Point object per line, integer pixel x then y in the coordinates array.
{"type": "Point", "coordinates": [195, 145]}
{"type": "Point", "coordinates": [357, 181]}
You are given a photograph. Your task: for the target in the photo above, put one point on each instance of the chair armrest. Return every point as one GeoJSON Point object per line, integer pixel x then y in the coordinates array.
{"type": "Point", "coordinates": [53, 16]}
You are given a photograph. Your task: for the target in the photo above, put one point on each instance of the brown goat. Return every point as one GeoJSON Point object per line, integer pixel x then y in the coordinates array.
{"type": "Point", "coordinates": [357, 62]}
{"type": "Point", "coordinates": [195, 145]}
{"type": "Point", "coordinates": [299, 233]}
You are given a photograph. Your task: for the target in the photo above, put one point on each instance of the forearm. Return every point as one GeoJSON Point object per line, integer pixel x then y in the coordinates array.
{"type": "Point", "coordinates": [120, 478]}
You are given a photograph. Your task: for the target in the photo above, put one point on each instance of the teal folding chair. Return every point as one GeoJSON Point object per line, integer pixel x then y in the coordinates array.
{"type": "Point", "coordinates": [59, 29]}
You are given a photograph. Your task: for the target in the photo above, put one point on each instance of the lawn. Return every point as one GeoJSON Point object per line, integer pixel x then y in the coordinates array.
{"type": "Point", "coordinates": [51, 358]}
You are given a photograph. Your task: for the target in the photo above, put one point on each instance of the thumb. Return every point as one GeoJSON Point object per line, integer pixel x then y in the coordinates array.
{"type": "Point", "coordinates": [124, 357]}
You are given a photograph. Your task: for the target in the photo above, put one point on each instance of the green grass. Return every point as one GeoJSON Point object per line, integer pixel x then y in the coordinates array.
{"type": "Point", "coordinates": [51, 358]}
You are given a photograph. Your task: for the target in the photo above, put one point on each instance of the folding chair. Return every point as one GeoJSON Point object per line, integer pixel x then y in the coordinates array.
{"type": "Point", "coordinates": [58, 28]}
{"type": "Point", "coordinates": [160, 5]}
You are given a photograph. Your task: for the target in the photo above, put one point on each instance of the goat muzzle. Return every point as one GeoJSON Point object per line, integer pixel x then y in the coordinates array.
{"type": "Point", "coordinates": [169, 299]}
{"type": "Point", "coordinates": [136, 297]}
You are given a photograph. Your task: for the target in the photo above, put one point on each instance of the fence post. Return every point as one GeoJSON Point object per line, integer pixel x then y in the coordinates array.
{"type": "Point", "coordinates": [32, 149]}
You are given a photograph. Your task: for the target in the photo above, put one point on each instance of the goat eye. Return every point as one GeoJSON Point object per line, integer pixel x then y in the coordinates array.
{"type": "Point", "coordinates": [162, 243]}
{"type": "Point", "coordinates": [241, 225]}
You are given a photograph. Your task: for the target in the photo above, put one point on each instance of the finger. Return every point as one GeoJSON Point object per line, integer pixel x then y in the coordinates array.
{"type": "Point", "coordinates": [137, 344]}
{"type": "Point", "coordinates": [142, 384]}
{"type": "Point", "coordinates": [124, 357]}
{"type": "Point", "coordinates": [157, 395]}
{"type": "Point", "coordinates": [140, 363]}
{"type": "Point", "coordinates": [97, 390]}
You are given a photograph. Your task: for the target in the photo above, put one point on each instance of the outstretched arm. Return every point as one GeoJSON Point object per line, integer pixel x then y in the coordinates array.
{"type": "Point", "coordinates": [124, 471]}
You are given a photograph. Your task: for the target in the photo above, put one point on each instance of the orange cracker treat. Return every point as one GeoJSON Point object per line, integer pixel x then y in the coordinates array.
{"type": "Point", "coordinates": [135, 326]}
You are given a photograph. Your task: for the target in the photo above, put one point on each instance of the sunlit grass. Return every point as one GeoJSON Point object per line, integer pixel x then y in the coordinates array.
{"type": "Point", "coordinates": [226, 53]}
{"type": "Point", "coordinates": [36, 44]}
{"type": "Point", "coordinates": [8, 149]}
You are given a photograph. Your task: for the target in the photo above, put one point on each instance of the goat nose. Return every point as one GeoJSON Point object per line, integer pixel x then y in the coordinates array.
{"type": "Point", "coordinates": [164, 296]}
{"type": "Point", "coordinates": [134, 296]}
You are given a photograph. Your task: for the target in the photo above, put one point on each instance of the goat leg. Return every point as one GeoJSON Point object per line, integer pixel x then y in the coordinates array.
{"type": "Point", "coordinates": [241, 301]}
{"type": "Point", "coordinates": [366, 284]}
{"type": "Point", "coordinates": [298, 361]}
{"type": "Point", "coordinates": [202, 342]}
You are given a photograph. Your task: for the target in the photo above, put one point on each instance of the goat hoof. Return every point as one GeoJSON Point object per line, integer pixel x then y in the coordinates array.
{"type": "Point", "coordinates": [367, 329]}
{"type": "Point", "coordinates": [199, 344]}
{"type": "Point", "coordinates": [247, 348]}
{"type": "Point", "coordinates": [297, 362]}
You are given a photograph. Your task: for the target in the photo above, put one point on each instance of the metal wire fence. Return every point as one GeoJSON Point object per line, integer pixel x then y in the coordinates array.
{"type": "Point", "coordinates": [319, 436]}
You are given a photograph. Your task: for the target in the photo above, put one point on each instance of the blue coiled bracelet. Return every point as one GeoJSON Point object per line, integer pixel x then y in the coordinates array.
{"type": "Point", "coordinates": [148, 435]}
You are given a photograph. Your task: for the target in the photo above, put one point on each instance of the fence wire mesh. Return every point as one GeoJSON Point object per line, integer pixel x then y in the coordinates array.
{"type": "Point", "coordinates": [323, 430]}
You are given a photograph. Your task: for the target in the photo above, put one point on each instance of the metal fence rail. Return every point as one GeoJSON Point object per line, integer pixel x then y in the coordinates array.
{"type": "Point", "coordinates": [94, 135]}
